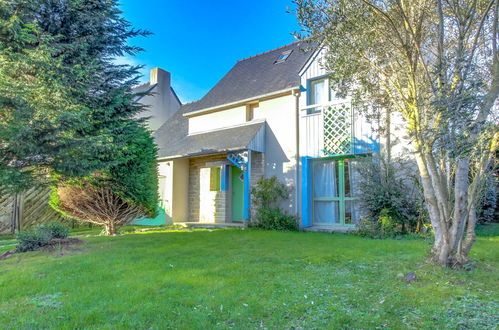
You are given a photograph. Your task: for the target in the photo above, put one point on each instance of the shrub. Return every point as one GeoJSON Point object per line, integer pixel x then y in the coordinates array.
{"type": "Point", "coordinates": [486, 206]}
{"type": "Point", "coordinates": [388, 225]}
{"type": "Point", "coordinates": [32, 240]}
{"type": "Point", "coordinates": [382, 227]}
{"type": "Point", "coordinates": [114, 198]}
{"type": "Point", "coordinates": [276, 219]}
{"type": "Point", "coordinates": [54, 229]}
{"type": "Point", "coordinates": [368, 227]}
{"type": "Point", "coordinates": [267, 195]}
{"type": "Point", "coordinates": [40, 236]}
{"type": "Point", "coordinates": [99, 206]}
{"type": "Point", "coordinates": [386, 192]}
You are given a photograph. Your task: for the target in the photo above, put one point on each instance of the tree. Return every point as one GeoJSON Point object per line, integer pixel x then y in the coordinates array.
{"type": "Point", "coordinates": [64, 104]}
{"type": "Point", "coordinates": [437, 63]}
{"type": "Point", "coordinates": [115, 197]}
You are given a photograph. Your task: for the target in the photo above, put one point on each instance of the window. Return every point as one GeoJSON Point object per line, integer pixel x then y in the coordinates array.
{"type": "Point", "coordinates": [320, 93]}
{"type": "Point", "coordinates": [215, 177]}
{"type": "Point", "coordinates": [335, 184]}
{"type": "Point", "coordinates": [317, 94]}
{"type": "Point", "coordinates": [283, 57]}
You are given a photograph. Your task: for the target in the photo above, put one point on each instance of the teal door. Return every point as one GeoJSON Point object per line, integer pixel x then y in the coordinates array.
{"type": "Point", "coordinates": [237, 194]}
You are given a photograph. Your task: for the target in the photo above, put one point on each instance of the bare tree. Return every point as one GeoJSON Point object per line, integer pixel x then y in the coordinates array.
{"type": "Point", "coordinates": [437, 63]}
{"type": "Point", "coordinates": [99, 206]}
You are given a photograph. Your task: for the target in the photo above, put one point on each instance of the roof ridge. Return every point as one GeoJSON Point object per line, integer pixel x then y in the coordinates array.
{"type": "Point", "coordinates": [191, 102]}
{"type": "Point", "coordinates": [142, 84]}
{"type": "Point", "coordinates": [272, 50]}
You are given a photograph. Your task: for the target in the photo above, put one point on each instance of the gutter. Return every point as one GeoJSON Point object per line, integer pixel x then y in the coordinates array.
{"type": "Point", "coordinates": [297, 94]}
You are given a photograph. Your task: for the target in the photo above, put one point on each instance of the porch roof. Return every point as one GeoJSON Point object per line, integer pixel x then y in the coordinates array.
{"type": "Point", "coordinates": [250, 136]}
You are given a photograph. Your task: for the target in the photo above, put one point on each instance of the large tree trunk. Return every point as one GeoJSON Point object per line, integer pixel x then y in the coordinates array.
{"type": "Point", "coordinates": [110, 228]}
{"type": "Point", "coordinates": [448, 227]}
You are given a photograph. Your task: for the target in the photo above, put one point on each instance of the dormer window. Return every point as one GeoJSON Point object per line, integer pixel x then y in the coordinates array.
{"type": "Point", "coordinates": [283, 57]}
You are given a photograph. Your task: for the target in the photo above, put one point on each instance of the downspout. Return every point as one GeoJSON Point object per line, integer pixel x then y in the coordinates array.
{"type": "Point", "coordinates": [297, 155]}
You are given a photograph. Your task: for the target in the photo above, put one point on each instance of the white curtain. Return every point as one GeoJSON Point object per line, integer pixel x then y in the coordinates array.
{"type": "Point", "coordinates": [325, 185]}
{"type": "Point", "coordinates": [318, 96]}
{"type": "Point", "coordinates": [352, 208]}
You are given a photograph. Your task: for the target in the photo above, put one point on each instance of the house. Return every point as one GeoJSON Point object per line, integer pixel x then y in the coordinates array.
{"type": "Point", "coordinates": [160, 99]}
{"type": "Point", "coordinates": [272, 114]}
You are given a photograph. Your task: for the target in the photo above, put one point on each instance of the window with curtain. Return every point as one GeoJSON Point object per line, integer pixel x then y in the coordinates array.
{"type": "Point", "coordinates": [335, 188]}
{"type": "Point", "coordinates": [317, 94]}
{"type": "Point", "coordinates": [326, 202]}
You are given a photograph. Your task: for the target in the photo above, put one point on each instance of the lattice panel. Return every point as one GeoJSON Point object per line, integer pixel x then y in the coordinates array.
{"type": "Point", "coordinates": [338, 130]}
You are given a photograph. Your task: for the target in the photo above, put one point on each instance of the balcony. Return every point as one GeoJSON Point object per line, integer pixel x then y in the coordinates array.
{"type": "Point", "coordinates": [335, 129]}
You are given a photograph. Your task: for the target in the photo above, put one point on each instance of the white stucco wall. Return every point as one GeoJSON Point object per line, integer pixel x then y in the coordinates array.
{"type": "Point", "coordinates": [180, 188]}
{"type": "Point", "coordinates": [280, 142]}
{"type": "Point", "coordinates": [280, 137]}
{"type": "Point", "coordinates": [217, 120]}
{"type": "Point", "coordinates": [165, 175]}
{"type": "Point", "coordinates": [173, 189]}
{"type": "Point", "coordinates": [162, 103]}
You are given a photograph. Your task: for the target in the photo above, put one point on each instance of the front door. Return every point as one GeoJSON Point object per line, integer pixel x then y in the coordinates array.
{"type": "Point", "coordinates": [237, 194]}
{"type": "Point", "coordinates": [206, 196]}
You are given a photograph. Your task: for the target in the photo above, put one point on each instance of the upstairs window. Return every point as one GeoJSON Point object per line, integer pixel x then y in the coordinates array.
{"type": "Point", "coordinates": [319, 93]}
{"type": "Point", "coordinates": [283, 57]}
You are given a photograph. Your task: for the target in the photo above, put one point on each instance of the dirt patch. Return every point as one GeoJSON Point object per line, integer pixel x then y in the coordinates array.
{"type": "Point", "coordinates": [7, 254]}
{"type": "Point", "coordinates": [62, 244]}
{"type": "Point", "coordinates": [59, 245]}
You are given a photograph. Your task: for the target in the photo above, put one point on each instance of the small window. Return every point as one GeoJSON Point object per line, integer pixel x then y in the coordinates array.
{"type": "Point", "coordinates": [283, 57]}
{"type": "Point", "coordinates": [317, 94]}
{"type": "Point", "coordinates": [215, 178]}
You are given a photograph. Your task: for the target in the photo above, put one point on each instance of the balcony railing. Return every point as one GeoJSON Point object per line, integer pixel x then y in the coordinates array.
{"type": "Point", "coordinates": [329, 129]}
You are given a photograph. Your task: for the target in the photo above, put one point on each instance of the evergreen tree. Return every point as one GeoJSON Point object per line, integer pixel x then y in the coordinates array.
{"type": "Point", "coordinates": [65, 107]}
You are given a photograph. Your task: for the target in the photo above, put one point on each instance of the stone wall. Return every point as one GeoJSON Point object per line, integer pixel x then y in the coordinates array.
{"type": "Point", "coordinates": [195, 165]}
{"type": "Point", "coordinates": [222, 198]}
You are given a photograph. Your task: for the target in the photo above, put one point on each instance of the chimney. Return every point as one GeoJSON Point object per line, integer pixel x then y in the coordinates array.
{"type": "Point", "coordinates": [160, 77]}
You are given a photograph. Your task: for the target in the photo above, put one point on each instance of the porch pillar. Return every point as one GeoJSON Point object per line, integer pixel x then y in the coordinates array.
{"type": "Point", "coordinates": [247, 188]}
{"type": "Point", "coordinates": [306, 191]}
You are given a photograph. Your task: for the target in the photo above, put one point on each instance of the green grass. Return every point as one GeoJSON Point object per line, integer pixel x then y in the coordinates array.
{"type": "Point", "coordinates": [246, 279]}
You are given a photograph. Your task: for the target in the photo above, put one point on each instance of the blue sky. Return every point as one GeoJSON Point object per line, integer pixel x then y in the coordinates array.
{"type": "Point", "coordinates": [199, 41]}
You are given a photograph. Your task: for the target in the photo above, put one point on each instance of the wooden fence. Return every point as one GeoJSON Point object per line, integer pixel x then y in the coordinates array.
{"type": "Point", "coordinates": [23, 210]}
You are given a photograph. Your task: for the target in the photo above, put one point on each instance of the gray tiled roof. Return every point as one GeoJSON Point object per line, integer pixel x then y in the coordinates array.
{"type": "Point", "coordinates": [251, 77]}
{"type": "Point", "coordinates": [259, 75]}
{"type": "Point", "coordinates": [223, 140]}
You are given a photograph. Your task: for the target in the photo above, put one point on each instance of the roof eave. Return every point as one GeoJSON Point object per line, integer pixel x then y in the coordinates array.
{"type": "Point", "coordinates": [241, 102]}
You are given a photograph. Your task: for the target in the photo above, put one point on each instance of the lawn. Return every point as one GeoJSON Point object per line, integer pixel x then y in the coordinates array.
{"type": "Point", "coordinates": [247, 279]}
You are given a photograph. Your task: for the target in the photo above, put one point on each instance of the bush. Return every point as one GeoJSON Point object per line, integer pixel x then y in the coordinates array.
{"type": "Point", "coordinates": [382, 227]}
{"type": "Point", "coordinates": [32, 240]}
{"type": "Point", "coordinates": [116, 197]}
{"type": "Point", "coordinates": [40, 236]}
{"type": "Point", "coordinates": [267, 195]}
{"type": "Point", "coordinates": [486, 206]}
{"type": "Point", "coordinates": [391, 196]}
{"type": "Point", "coordinates": [275, 219]}
{"type": "Point", "coordinates": [54, 229]}
{"type": "Point", "coordinates": [368, 227]}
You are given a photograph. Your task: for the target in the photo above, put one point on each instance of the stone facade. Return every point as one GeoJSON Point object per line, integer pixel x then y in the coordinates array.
{"type": "Point", "coordinates": [221, 198]}
{"type": "Point", "coordinates": [195, 165]}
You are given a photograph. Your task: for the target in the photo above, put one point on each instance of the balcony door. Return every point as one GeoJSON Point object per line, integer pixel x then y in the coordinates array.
{"type": "Point", "coordinates": [335, 190]}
